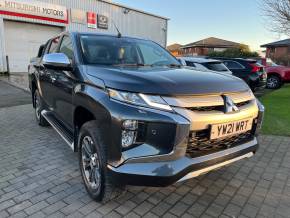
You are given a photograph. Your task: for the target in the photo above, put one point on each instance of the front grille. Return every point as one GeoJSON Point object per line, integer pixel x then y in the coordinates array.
{"type": "Point", "coordinates": [207, 108]}
{"type": "Point", "coordinates": [199, 143]}
{"type": "Point", "coordinates": [217, 108]}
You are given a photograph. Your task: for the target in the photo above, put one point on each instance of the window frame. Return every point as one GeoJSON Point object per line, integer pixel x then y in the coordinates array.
{"type": "Point", "coordinates": [57, 46]}
{"type": "Point", "coordinates": [242, 67]}
{"type": "Point", "coordinates": [60, 43]}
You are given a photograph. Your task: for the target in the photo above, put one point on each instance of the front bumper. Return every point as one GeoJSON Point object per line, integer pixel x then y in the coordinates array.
{"type": "Point", "coordinates": [148, 164]}
{"type": "Point", "coordinates": [165, 173]}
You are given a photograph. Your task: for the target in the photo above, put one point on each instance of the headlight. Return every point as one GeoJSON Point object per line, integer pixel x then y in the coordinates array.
{"type": "Point", "coordinates": [140, 99]}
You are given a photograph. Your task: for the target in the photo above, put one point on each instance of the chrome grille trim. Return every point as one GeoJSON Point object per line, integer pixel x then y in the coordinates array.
{"type": "Point", "coordinates": [207, 100]}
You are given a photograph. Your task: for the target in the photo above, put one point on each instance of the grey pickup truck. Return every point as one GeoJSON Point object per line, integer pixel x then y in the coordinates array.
{"type": "Point", "coordinates": [135, 116]}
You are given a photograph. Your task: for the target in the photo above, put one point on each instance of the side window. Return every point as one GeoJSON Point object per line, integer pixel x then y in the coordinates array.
{"type": "Point", "coordinates": [54, 45]}
{"type": "Point", "coordinates": [233, 65]}
{"type": "Point", "coordinates": [190, 64]}
{"type": "Point", "coordinates": [66, 47]}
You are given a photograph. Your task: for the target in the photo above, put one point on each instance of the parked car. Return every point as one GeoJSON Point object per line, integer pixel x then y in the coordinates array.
{"type": "Point", "coordinates": [249, 70]}
{"type": "Point", "coordinates": [135, 116]}
{"type": "Point", "coordinates": [204, 64]}
{"type": "Point", "coordinates": [277, 74]}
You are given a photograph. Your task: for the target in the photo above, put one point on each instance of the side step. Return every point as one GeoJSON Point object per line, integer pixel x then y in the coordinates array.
{"type": "Point", "coordinates": [60, 129]}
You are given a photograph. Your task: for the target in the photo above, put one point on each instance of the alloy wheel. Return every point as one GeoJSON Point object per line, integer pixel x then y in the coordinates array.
{"type": "Point", "coordinates": [90, 163]}
{"type": "Point", "coordinates": [272, 82]}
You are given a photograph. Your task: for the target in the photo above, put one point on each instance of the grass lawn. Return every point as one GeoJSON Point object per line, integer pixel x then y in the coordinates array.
{"type": "Point", "coordinates": [277, 114]}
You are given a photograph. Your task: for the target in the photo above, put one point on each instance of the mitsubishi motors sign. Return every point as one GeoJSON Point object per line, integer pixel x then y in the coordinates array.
{"type": "Point", "coordinates": [34, 10]}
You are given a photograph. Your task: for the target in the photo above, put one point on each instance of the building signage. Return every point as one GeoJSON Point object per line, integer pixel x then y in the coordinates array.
{"type": "Point", "coordinates": [34, 10]}
{"type": "Point", "coordinates": [78, 16]}
{"type": "Point", "coordinates": [103, 22]}
{"type": "Point", "coordinates": [92, 20]}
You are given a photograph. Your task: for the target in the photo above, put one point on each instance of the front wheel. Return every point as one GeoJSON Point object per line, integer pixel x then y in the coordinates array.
{"type": "Point", "coordinates": [273, 82]}
{"type": "Point", "coordinates": [93, 165]}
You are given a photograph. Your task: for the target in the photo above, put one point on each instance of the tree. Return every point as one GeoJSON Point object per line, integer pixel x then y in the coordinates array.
{"type": "Point", "coordinates": [243, 51]}
{"type": "Point", "coordinates": [277, 13]}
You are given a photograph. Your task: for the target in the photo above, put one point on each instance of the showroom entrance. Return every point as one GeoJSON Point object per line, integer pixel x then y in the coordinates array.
{"type": "Point", "coordinates": [22, 41]}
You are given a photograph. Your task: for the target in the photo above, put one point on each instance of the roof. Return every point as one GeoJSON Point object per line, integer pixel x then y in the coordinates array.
{"type": "Point", "coordinates": [174, 47]}
{"type": "Point", "coordinates": [134, 9]}
{"type": "Point", "coordinates": [198, 60]}
{"type": "Point", "coordinates": [212, 42]}
{"type": "Point", "coordinates": [285, 42]}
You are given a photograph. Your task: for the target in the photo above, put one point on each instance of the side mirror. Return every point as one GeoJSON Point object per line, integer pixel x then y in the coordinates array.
{"type": "Point", "coordinates": [56, 61]}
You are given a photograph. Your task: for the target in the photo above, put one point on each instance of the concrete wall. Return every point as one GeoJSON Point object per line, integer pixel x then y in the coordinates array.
{"type": "Point", "coordinates": [2, 48]}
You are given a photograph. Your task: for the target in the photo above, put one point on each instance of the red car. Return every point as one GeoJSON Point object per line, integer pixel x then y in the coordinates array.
{"type": "Point", "coordinates": [277, 75]}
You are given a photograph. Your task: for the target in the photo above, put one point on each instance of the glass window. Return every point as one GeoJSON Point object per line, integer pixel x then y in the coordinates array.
{"type": "Point", "coordinates": [54, 45]}
{"type": "Point", "coordinates": [216, 66]}
{"type": "Point", "coordinates": [233, 65]}
{"type": "Point", "coordinates": [66, 47]}
{"type": "Point", "coordinates": [190, 64]}
{"type": "Point", "coordinates": [109, 50]}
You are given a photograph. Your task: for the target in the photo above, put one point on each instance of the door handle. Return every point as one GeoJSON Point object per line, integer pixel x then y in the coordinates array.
{"type": "Point", "coordinates": [53, 79]}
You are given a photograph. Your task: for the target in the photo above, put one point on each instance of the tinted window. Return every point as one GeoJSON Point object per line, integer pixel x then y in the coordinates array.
{"type": "Point", "coordinates": [233, 65]}
{"type": "Point", "coordinates": [54, 45]}
{"type": "Point", "coordinates": [106, 50]}
{"type": "Point", "coordinates": [66, 47]}
{"type": "Point", "coordinates": [216, 66]}
{"type": "Point", "coordinates": [190, 64]}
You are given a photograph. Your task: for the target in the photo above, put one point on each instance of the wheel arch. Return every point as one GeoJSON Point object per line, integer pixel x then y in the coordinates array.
{"type": "Point", "coordinates": [90, 107]}
{"type": "Point", "coordinates": [275, 74]}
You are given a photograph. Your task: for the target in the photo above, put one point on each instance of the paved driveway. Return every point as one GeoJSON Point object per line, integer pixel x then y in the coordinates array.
{"type": "Point", "coordinates": [39, 177]}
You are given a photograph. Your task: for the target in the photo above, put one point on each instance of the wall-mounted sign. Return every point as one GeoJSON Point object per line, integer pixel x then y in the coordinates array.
{"type": "Point", "coordinates": [92, 20]}
{"type": "Point", "coordinates": [103, 22]}
{"type": "Point", "coordinates": [34, 10]}
{"type": "Point", "coordinates": [78, 16]}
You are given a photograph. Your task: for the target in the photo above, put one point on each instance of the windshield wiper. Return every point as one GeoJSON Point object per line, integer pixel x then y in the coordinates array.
{"type": "Point", "coordinates": [133, 65]}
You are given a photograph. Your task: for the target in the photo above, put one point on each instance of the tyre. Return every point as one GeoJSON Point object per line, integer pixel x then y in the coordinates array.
{"type": "Point", "coordinates": [274, 82]}
{"type": "Point", "coordinates": [93, 165]}
{"type": "Point", "coordinates": [38, 107]}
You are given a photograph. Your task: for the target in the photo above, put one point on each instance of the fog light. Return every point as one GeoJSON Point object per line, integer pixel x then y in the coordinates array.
{"type": "Point", "coordinates": [128, 138]}
{"type": "Point", "coordinates": [130, 124]}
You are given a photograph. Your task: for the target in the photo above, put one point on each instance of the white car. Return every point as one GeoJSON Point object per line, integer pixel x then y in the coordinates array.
{"type": "Point", "coordinates": [204, 64]}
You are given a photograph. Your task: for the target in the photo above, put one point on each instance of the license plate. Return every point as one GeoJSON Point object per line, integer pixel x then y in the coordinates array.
{"type": "Point", "coordinates": [231, 128]}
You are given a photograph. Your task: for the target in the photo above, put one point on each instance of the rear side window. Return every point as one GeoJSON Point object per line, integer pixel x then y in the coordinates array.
{"type": "Point", "coordinates": [66, 47]}
{"type": "Point", "coordinates": [190, 64]}
{"type": "Point", "coordinates": [54, 45]}
{"type": "Point", "coordinates": [233, 65]}
{"type": "Point", "coordinates": [216, 66]}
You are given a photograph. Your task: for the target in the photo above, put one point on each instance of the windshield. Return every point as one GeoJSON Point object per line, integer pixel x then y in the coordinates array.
{"type": "Point", "coordinates": [109, 50]}
{"type": "Point", "coordinates": [216, 66]}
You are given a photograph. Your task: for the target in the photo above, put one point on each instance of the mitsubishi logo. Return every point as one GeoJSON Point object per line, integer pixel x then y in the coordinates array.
{"type": "Point", "coordinates": [229, 105]}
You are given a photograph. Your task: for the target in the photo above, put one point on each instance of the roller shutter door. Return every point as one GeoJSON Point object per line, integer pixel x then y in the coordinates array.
{"type": "Point", "coordinates": [22, 41]}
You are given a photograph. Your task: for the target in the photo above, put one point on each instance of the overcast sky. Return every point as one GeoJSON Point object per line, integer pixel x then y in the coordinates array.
{"type": "Point", "coordinates": [191, 20]}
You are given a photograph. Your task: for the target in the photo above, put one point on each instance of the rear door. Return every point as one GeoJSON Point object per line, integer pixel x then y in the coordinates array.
{"type": "Point", "coordinates": [46, 75]}
{"type": "Point", "coordinates": [237, 69]}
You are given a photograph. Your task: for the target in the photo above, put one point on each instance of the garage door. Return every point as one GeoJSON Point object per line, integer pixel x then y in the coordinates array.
{"type": "Point", "coordinates": [22, 41]}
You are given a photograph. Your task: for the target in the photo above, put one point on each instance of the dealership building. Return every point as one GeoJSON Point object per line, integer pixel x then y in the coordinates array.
{"type": "Point", "coordinates": [26, 24]}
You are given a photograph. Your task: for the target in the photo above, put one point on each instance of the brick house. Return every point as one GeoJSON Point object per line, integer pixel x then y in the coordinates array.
{"type": "Point", "coordinates": [278, 51]}
{"type": "Point", "coordinates": [203, 47]}
{"type": "Point", "coordinates": [175, 49]}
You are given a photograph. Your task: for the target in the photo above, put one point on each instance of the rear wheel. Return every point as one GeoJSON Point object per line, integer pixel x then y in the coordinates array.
{"type": "Point", "coordinates": [93, 165]}
{"type": "Point", "coordinates": [38, 107]}
{"type": "Point", "coordinates": [274, 82]}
